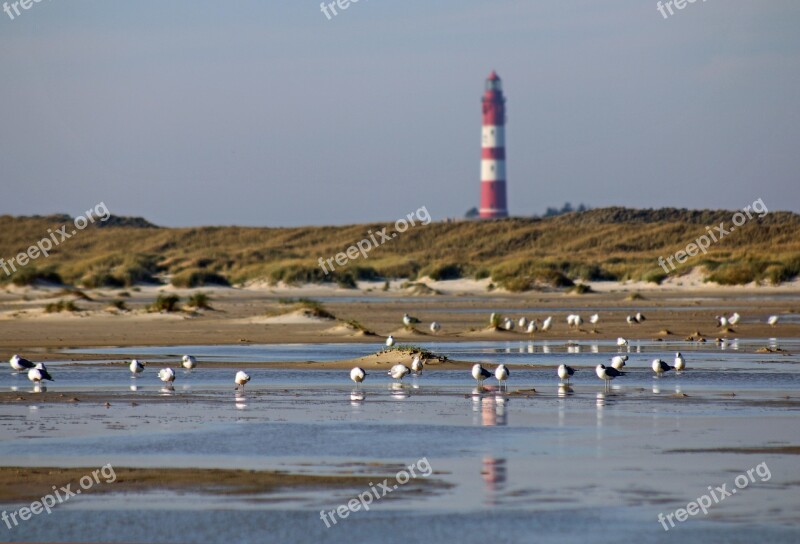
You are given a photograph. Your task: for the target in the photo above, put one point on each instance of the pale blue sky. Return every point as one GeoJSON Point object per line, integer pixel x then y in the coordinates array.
{"type": "Point", "coordinates": [266, 113]}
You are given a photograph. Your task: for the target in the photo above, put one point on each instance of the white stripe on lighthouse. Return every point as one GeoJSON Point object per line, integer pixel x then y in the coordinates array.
{"type": "Point", "coordinates": [493, 170]}
{"type": "Point", "coordinates": [494, 136]}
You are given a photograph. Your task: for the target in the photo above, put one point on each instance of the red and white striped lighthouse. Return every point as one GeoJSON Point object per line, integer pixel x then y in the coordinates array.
{"type": "Point", "coordinates": [493, 160]}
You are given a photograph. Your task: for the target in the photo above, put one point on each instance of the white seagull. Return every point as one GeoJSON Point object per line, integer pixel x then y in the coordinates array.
{"type": "Point", "coordinates": [618, 361]}
{"type": "Point", "coordinates": [18, 363]}
{"type": "Point", "coordinates": [722, 321]}
{"type": "Point", "coordinates": [435, 327]}
{"type": "Point", "coordinates": [547, 323]}
{"type": "Point", "coordinates": [480, 373]}
{"type": "Point", "coordinates": [607, 374]}
{"type": "Point", "coordinates": [680, 362]}
{"type": "Point", "coordinates": [532, 327]}
{"type": "Point", "coordinates": [772, 320]}
{"type": "Point", "coordinates": [136, 367]}
{"type": "Point", "coordinates": [640, 317]}
{"type": "Point", "coordinates": [631, 320]}
{"type": "Point", "coordinates": [493, 318]}
{"type": "Point", "coordinates": [358, 375]}
{"type": "Point", "coordinates": [189, 362]}
{"type": "Point", "coordinates": [502, 374]}
{"type": "Point", "coordinates": [594, 319]}
{"type": "Point", "coordinates": [508, 324]}
{"type": "Point", "coordinates": [390, 341]}
{"type": "Point", "coordinates": [417, 364]}
{"type": "Point", "coordinates": [621, 342]}
{"type": "Point", "coordinates": [241, 379]}
{"type": "Point", "coordinates": [166, 375]}
{"type": "Point", "coordinates": [565, 372]}
{"type": "Point", "coordinates": [659, 367]}
{"type": "Point", "coordinates": [408, 320]}
{"type": "Point", "coordinates": [39, 373]}
{"type": "Point", "coordinates": [734, 319]}
{"type": "Point", "coordinates": [398, 372]}
{"type": "Point", "coordinates": [523, 322]}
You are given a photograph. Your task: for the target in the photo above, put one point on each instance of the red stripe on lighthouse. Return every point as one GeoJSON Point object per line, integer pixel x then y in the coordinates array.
{"type": "Point", "coordinates": [493, 152]}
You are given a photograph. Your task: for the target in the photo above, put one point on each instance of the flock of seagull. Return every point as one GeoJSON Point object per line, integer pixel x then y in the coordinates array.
{"type": "Point", "coordinates": [37, 372]}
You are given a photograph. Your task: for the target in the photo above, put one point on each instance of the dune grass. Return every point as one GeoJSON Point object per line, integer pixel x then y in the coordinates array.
{"type": "Point", "coordinates": [517, 254]}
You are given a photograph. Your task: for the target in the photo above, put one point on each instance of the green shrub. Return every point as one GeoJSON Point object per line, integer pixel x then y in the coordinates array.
{"type": "Point", "coordinates": [30, 275]}
{"type": "Point", "coordinates": [201, 301]}
{"type": "Point", "coordinates": [198, 278]}
{"type": "Point", "coordinates": [165, 303]}
{"type": "Point", "coordinates": [61, 306]}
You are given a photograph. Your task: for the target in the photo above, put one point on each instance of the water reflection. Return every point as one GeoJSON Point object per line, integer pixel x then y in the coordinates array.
{"type": "Point", "coordinates": [565, 390]}
{"type": "Point", "coordinates": [489, 407]}
{"type": "Point", "coordinates": [240, 400]}
{"type": "Point", "coordinates": [399, 391]}
{"type": "Point", "coordinates": [357, 398]}
{"type": "Point", "coordinates": [494, 472]}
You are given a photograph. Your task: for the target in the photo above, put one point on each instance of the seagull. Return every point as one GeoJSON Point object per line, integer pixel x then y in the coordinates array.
{"type": "Point", "coordinates": [734, 319]}
{"type": "Point", "coordinates": [594, 319]}
{"type": "Point", "coordinates": [508, 324]}
{"type": "Point", "coordinates": [640, 317]}
{"type": "Point", "coordinates": [547, 323]}
{"type": "Point", "coordinates": [533, 326]}
{"type": "Point", "coordinates": [390, 341]}
{"type": "Point", "coordinates": [659, 367]}
{"type": "Point", "coordinates": [189, 362]}
{"type": "Point", "coordinates": [722, 321]}
{"type": "Point", "coordinates": [523, 322]}
{"type": "Point", "coordinates": [772, 320]}
{"type": "Point", "coordinates": [493, 318]}
{"type": "Point", "coordinates": [680, 362]}
{"type": "Point", "coordinates": [607, 374]}
{"type": "Point", "coordinates": [621, 342]}
{"type": "Point", "coordinates": [618, 361]}
{"type": "Point", "coordinates": [166, 375]}
{"type": "Point", "coordinates": [565, 372]}
{"type": "Point", "coordinates": [39, 373]}
{"type": "Point", "coordinates": [19, 364]}
{"type": "Point", "coordinates": [502, 374]}
{"type": "Point", "coordinates": [408, 320]}
{"type": "Point", "coordinates": [398, 372]}
{"type": "Point", "coordinates": [631, 320]}
{"type": "Point", "coordinates": [136, 367]}
{"type": "Point", "coordinates": [435, 327]}
{"type": "Point", "coordinates": [358, 375]}
{"type": "Point", "coordinates": [480, 373]}
{"type": "Point", "coordinates": [416, 364]}
{"type": "Point", "coordinates": [240, 379]}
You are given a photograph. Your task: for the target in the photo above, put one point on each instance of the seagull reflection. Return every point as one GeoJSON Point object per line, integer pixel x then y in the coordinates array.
{"type": "Point", "coordinates": [656, 389]}
{"type": "Point", "coordinates": [564, 390]}
{"type": "Point", "coordinates": [399, 391]}
{"type": "Point", "coordinates": [357, 397]}
{"type": "Point", "coordinates": [240, 400]}
{"type": "Point", "coordinates": [134, 387]}
{"type": "Point", "coordinates": [491, 406]}
{"type": "Point", "coordinates": [495, 476]}
{"type": "Point", "coordinates": [167, 390]}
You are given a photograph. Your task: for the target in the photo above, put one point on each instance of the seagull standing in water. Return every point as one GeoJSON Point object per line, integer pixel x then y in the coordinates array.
{"type": "Point", "coordinates": [398, 372]}
{"type": "Point", "coordinates": [39, 373]}
{"type": "Point", "coordinates": [565, 372]}
{"type": "Point", "coordinates": [607, 374]}
{"type": "Point", "coordinates": [166, 375]}
{"type": "Point", "coordinates": [358, 375]}
{"type": "Point", "coordinates": [390, 341]}
{"type": "Point", "coordinates": [772, 320]}
{"type": "Point", "coordinates": [480, 373]}
{"type": "Point", "coordinates": [533, 326]}
{"type": "Point", "coordinates": [502, 374]}
{"type": "Point", "coordinates": [680, 362]}
{"type": "Point", "coordinates": [659, 367]}
{"type": "Point", "coordinates": [189, 362]}
{"type": "Point", "coordinates": [618, 361]}
{"type": "Point", "coordinates": [621, 342]}
{"type": "Point", "coordinates": [547, 323]}
{"type": "Point", "coordinates": [136, 367]}
{"type": "Point", "coordinates": [19, 364]}
{"type": "Point", "coordinates": [417, 365]}
{"type": "Point", "coordinates": [241, 379]}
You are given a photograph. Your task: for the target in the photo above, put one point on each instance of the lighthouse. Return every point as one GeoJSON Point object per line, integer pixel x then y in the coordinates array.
{"type": "Point", "coordinates": [493, 159]}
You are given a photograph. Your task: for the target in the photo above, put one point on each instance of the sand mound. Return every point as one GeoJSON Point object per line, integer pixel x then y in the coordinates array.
{"type": "Point", "coordinates": [493, 332]}
{"type": "Point", "coordinates": [403, 332]}
{"type": "Point", "coordinates": [345, 329]}
{"type": "Point", "coordinates": [296, 317]}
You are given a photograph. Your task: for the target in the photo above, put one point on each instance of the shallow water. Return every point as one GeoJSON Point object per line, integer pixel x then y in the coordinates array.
{"type": "Point", "coordinates": [560, 465]}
